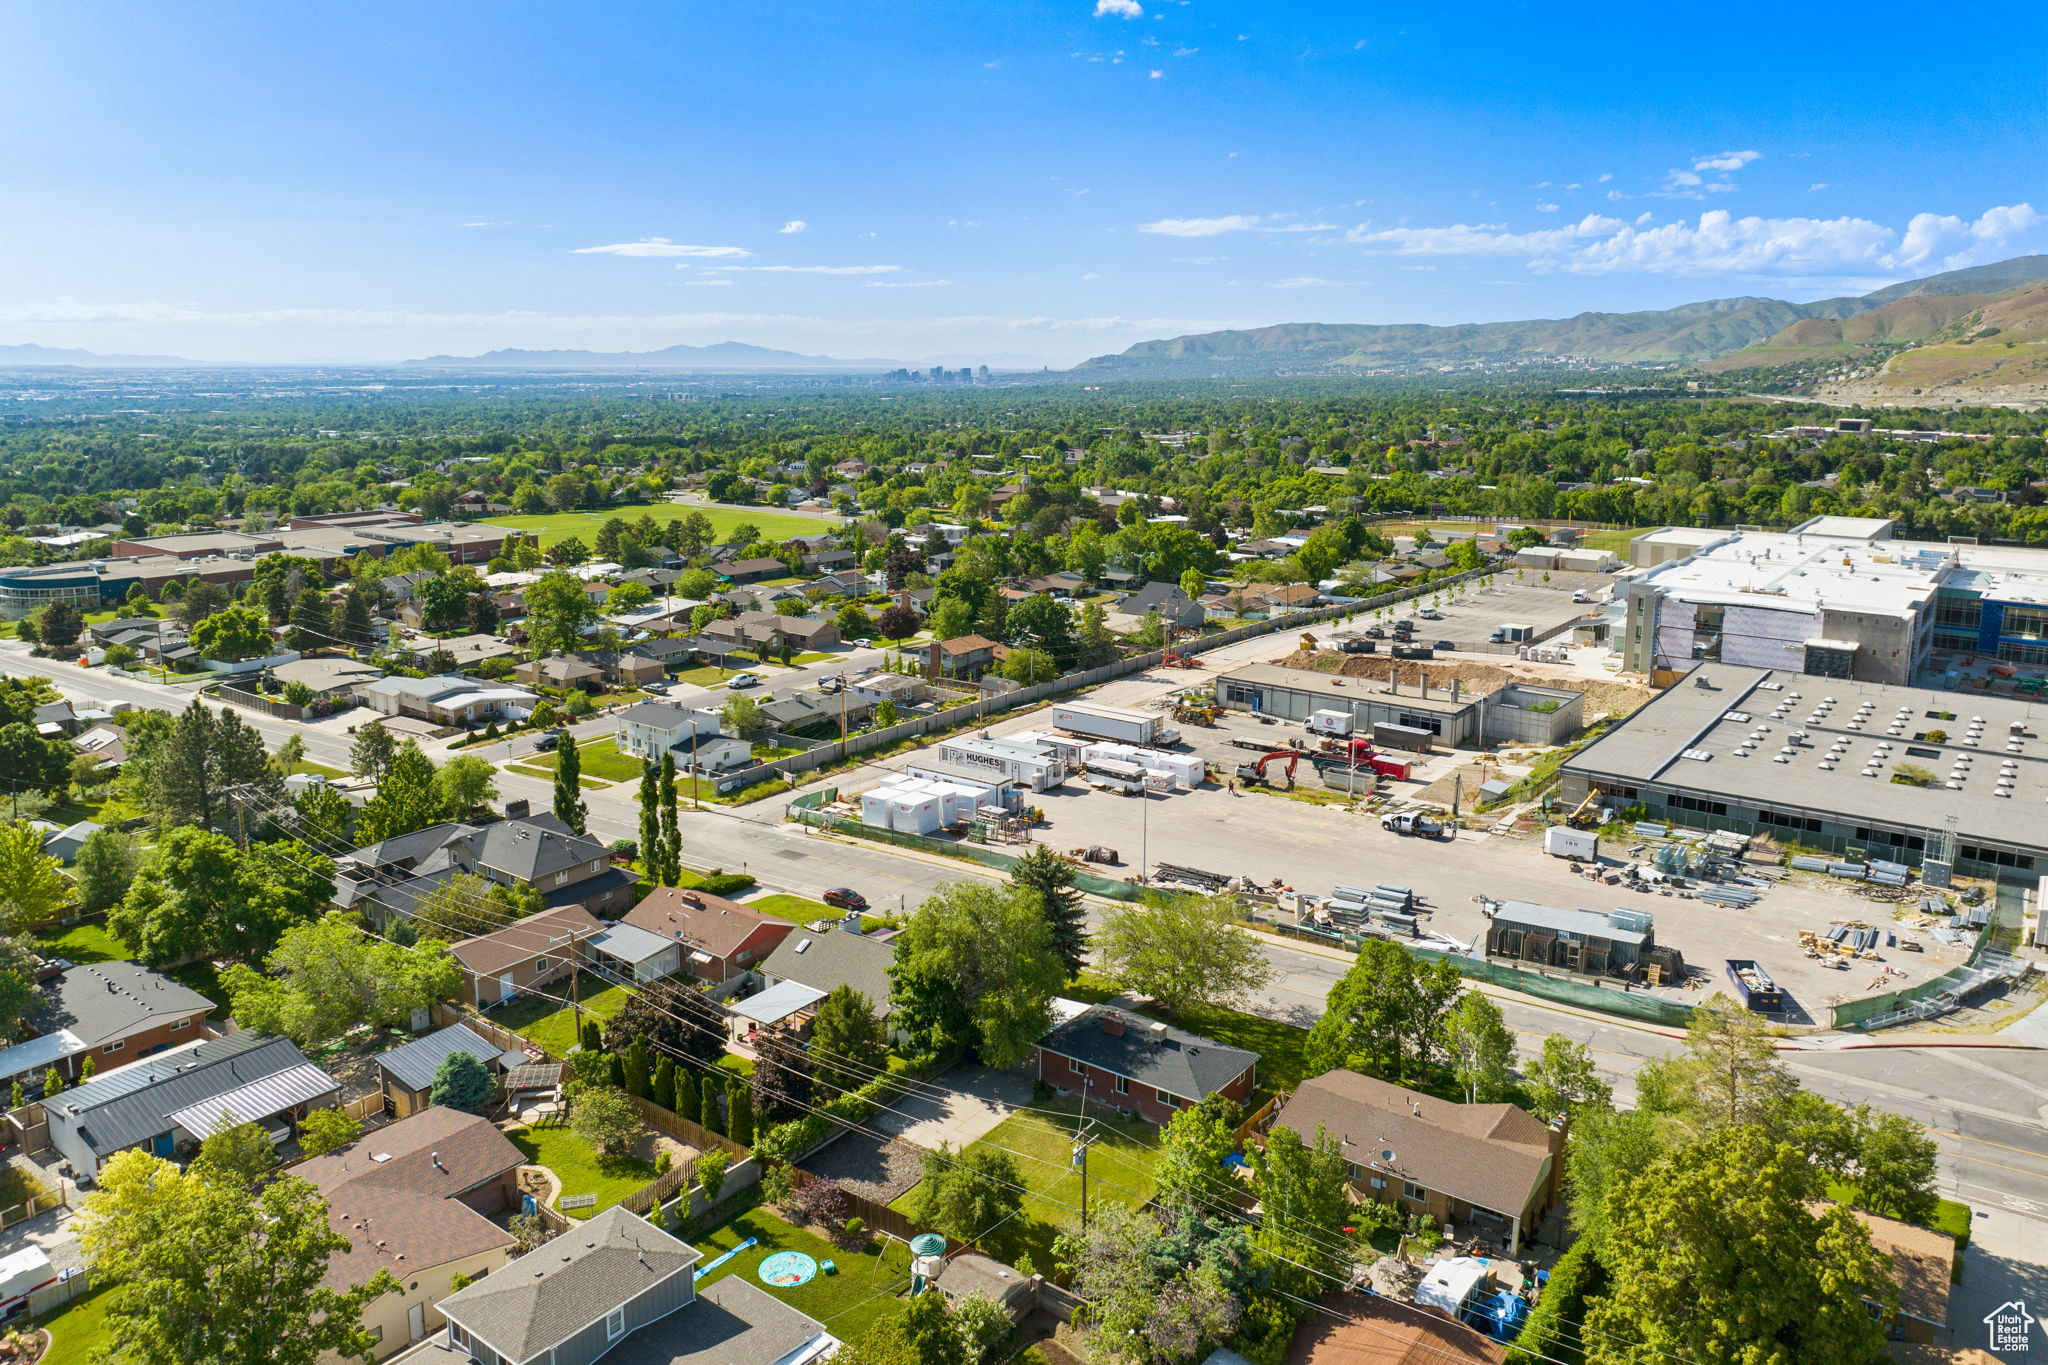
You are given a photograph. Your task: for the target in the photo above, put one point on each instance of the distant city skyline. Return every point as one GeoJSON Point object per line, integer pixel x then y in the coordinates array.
{"type": "Point", "coordinates": [1034, 181]}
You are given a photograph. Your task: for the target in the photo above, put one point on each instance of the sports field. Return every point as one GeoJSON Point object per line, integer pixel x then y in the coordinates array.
{"type": "Point", "coordinates": [554, 526]}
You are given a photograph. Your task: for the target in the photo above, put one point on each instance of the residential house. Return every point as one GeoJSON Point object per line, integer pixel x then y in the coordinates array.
{"type": "Point", "coordinates": [112, 1012]}
{"type": "Point", "coordinates": [768, 630]}
{"type": "Point", "coordinates": [470, 651]}
{"type": "Point", "coordinates": [964, 656]}
{"type": "Point", "coordinates": [55, 720]}
{"type": "Point", "coordinates": [750, 570]}
{"type": "Point", "coordinates": [561, 671]}
{"type": "Point", "coordinates": [838, 955]}
{"type": "Point", "coordinates": [423, 1198]}
{"type": "Point", "coordinates": [63, 844]}
{"type": "Point", "coordinates": [174, 1100]}
{"type": "Point", "coordinates": [666, 652]}
{"type": "Point", "coordinates": [1923, 1265]}
{"type": "Point", "coordinates": [538, 851]}
{"type": "Point", "coordinates": [1065, 585]}
{"type": "Point", "coordinates": [621, 1290]}
{"type": "Point", "coordinates": [107, 632]}
{"type": "Point", "coordinates": [844, 583]}
{"type": "Point", "coordinates": [405, 587]}
{"type": "Point", "coordinates": [830, 561]}
{"type": "Point", "coordinates": [525, 955]}
{"type": "Point", "coordinates": [325, 677]}
{"type": "Point", "coordinates": [1174, 606]}
{"type": "Point", "coordinates": [900, 688]}
{"type": "Point", "coordinates": [721, 939]}
{"type": "Point", "coordinates": [1363, 1328]}
{"type": "Point", "coordinates": [405, 1074]}
{"type": "Point", "coordinates": [693, 735]}
{"type": "Point", "coordinates": [448, 700]}
{"type": "Point", "coordinates": [1495, 1166]}
{"type": "Point", "coordinates": [811, 712]}
{"type": "Point", "coordinates": [1135, 1065]}
{"type": "Point", "coordinates": [108, 745]}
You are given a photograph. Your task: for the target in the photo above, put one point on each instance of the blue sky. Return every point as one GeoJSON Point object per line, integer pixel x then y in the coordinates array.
{"type": "Point", "coordinates": [375, 181]}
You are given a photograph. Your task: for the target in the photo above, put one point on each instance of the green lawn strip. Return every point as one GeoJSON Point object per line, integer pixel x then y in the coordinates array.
{"type": "Point", "coordinates": [580, 1168]}
{"type": "Point", "coordinates": [702, 675]}
{"type": "Point", "coordinates": [798, 908]}
{"type": "Point", "coordinates": [307, 765]}
{"type": "Point", "coordinates": [801, 660]}
{"type": "Point", "coordinates": [1949, 1216]}
{"type": "Point", "coordinates": [1282, 1065]}
{"type": "Point", "coordinates": [18, 1186]}
{"type": "Point", "coordinates": [736, 1064]}
{"type": "Point", "coordinates": [1120, 1162]}
{"type": "Point", "coordinates": [535, 770]}
{"type": "Point", "coordinates": [557, 526]}
{"type": "Point", "coordinates": [552, 1025]}
{"type": "Point", "coordinates": [89, 942]}
{"type": "Point", "coordinates": [105, 810]}
{"type": "Point", "coordinates": [601, 761]}
{"type": "Point", "coordinates": [848, 1303]}
{"type": "Point", "coordinates": [79, 1332]}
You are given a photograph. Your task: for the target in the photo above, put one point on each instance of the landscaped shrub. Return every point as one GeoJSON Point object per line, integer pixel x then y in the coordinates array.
{"type": "Point", "coordinates": [823, 1203]}
{"type": "Point", "coordinates": [727, 883]}
{"type": "Point", "coordinates": [1550, 1333]}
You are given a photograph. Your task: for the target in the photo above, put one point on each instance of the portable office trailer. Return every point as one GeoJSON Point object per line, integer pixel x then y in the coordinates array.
{"type": "Point", "coordinates": [1184, 770]}
{"type": "Point", "coordinates": [1019, 763]}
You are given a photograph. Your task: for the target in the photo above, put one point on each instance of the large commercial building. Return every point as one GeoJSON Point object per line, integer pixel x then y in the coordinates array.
{"type": "Point", "coordinates": [1392, 710]}
{"type": "Point", "coordinates": [1836, 597]}
{"type": "Point", "coordinates": [1902, 774]}
{"type": "Point", "coordinates": [229, 557]}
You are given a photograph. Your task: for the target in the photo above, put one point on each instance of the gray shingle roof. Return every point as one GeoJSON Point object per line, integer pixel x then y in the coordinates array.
{"type": "Point", "coordinates": [413, 1065]}
{"type": "Point", "coordinates": [733, 1322]}
{"type": "Point", "coordinates": [550, 1294]}
{"type": "Point", "coordinates": [531, 849]}
{"type": "Point", "coordinates": [129, 1105]}
{"type": "Point", "coordinates": [833, 959]}
{"type": "Point", "coordinates": [107, 1000]}
{"type": "Point", "coordinates": [1159, 1055]}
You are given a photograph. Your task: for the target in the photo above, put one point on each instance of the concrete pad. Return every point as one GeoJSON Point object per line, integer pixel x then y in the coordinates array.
{"type": "Point", "coordinates": [978, 1099]}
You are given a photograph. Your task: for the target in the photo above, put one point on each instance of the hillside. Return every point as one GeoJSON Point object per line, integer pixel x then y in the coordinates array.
{"type": "Point", "coordinates": [1694, 332]}
{"type": "Point", "coordinates": [28, 354]}
{"type": "Point", "coordinates": [1993, 352]}
{"type": "Point", "coordinates": [1909, 320]}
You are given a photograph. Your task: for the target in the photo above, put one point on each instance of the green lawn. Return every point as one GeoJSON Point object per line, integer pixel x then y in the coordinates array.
{"type": "Point", "coordinates": [88, 942]}
{"type": "Point", "coordinates": [580, 1168]}
{"type": "Point", "coordinates": [554, 526]}
{"type": "Point", "coordinates": [1280, 1046]}
{"type": "Point", "coordinates": [801, 660]}
{"type": "Point", "coordinates": [703, 675]}
{"type": "Point", "coordinates": [850, 1302]}
{"type": "Point", "coordinates": [600, 757]}
{"type": "Point", "coordinates": [1120, 1162]}
{"type": "Point", "coordinates": [106, 810]}
{"type": "Point", "coordinates": [307, 765]}
{"type": "Point", "coordinates": [553, 1026]}
{"type": "Point", "coordinates": [78, 1332]}
{"type": "Point", "coordinates": [798, 908]}
{"type": "Point", "coordinates": [736, 1064]}
{"type": "Point", "coordinates": [1949, 1216]}
{"type": "Point", "coordinates": [590, 783]}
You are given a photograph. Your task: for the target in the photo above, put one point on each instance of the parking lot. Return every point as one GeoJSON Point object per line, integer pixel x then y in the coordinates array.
{"type": "Point", "coordinates": [1532, 603]}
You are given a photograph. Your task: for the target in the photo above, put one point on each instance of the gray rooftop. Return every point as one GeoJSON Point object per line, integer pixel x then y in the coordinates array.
{"type": "Point", "coordinates": [1183, 1064]}
{"type": "Point", "coordinates": [550, 1294]}
{"type": "Point", "coordinates": [832, 959]}
{"type": "Point", "coordinates": [533, 848]}
{"type": "Point", "coordinates": [733, 1322]}
{"type": "Point", "coordinates": [413, 1064]}
{"type": "Point", "coordinates": [1583, 923]}
{"type": "Point", "coordinates": [1737, 704]}
{"type": "Point", "coordinates": [103, 1001]}
{"type": "Point", "coordinates": [120, 1108]}
{"type": "Point", "coordinates": [1343, 689]}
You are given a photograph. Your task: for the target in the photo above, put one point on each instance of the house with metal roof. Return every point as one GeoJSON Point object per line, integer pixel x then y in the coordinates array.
{"type": "Point", "coordinates": [1494, 1167]}
{"type": "Point", "coordinates": [824, 960]}
{"type": "Point", "coordinates": [1138, 1065]}
{"type": "Point", "coordinates": [424, 1199]}
{"type": "Point", "coordinates": [174, 1100]}
{"type": "Point", "coordinates": [635, 954]}
{"type": "Point", "coordinates": [620, 1289]}
{"type": "Point", "coordinates": [406, 1073]}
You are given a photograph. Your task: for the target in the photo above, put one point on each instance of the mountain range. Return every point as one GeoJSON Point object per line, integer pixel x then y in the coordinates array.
{"type": "Point", "coordinates": [30, 354]}
{"type": "Point", "coordinates": [723, 355]}
{"type": "Point", "coordinates": [1693, 332]}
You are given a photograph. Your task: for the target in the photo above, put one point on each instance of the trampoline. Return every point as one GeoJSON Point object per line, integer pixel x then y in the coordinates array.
{"type": "Point", "coordinates": [788, 1269]}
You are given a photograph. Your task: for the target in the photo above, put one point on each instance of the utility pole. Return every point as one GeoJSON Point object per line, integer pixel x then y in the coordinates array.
{"type": "Point", "coordinates": [1082, 1142]}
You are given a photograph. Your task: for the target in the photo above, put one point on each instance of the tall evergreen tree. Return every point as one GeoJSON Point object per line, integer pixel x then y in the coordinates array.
{"type": "Point", "coordinates": [638, 1074]}
{"type": "Point", "coordinates": [651, 856]}
{"type": "Point", "coordinates": [1050, 878]}
{"type": "Point", "coordinates": [312, 622]}
{"type": "Point", "coordinates": [686, 1096]}
{"type": "Point", "coordinates": [671, 827]}
{"type": "Point", "coordinates": [664, 1089]}
{"type": "Point", "coordinates": [351, 624]}
{"type": "Point", "coordinates": [569, 807]}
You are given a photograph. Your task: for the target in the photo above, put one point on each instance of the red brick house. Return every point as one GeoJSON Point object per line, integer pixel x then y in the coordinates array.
{"type": "Point", "coordinates": [720, 939]}
{"type": "Point", "coordinates": [112, 1012]}
{"type": "Point", "coordinates": [1130, 1063]}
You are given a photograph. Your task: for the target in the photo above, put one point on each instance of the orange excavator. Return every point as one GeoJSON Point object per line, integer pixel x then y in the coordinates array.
{"type": "Point", "coordinates": [1254, 773]}
{"type": "Point", "coordinates": [1180, 661]}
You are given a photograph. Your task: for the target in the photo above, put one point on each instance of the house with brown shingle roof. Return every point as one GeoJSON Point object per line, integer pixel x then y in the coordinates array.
{"type": "Point", "coordinates": [415, 1198]}
{"type": "Point", "coordinates": [1366, 1329]}
{"type": "Point", "coordinates": [524, 955]}
{"type": "Point", "coordinates": [720, 939]}
{"type": "Point", "coordinates": [1496, 1166]}
{"type": "Point", "coordinates": [1923, 1267]}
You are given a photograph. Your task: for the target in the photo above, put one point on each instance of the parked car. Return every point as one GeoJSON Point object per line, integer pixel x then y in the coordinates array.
{"type": "Point", "coordinates": [1375, 633]}
{"type": "Point", "coordinates": [844, 898]}
{"type": "Point", "coordinates": [1446, 644]}
{"type": "Point", "coordinates": [551, 740]}
{"type": "Point", "coordinates": [863, 644]}
{"type": "Point", "coordinates": [654, 687]}
{"type": "Point", "coordinates": [1431, 614]}
{"type": "Point", "coordinates": [743, 680]}
{"type": "Point", "coordinates": [1581, 595]}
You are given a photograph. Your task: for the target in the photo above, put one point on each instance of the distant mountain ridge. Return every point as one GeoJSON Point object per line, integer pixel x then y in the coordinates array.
{"type": "Point", "coordinates": [722, 355]}
{"type": "Point", "coordinates": [1689, 333]}
{"type": "Point", "coordinates": [30, 354]}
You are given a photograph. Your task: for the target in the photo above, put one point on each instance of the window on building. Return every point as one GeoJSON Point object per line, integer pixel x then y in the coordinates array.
{"type": "Point", "coordinates": [1412, 1191]}
{"type": "Point", "coordinates": [1165, 1098]}
{"type": "Point", "coordinates": [1075, 1066]}
{"type": "Point", "coordinates": [1784, 821]}
{"type": "Point", "coordinates": [1891, 837]}
{"type": "Point", "coordinates": [115, 1046]}
{"type": "Point", "coordinates": [376, 1334]}
{"type": "Point", "coordinates": [1998, 857]}
{"type": "Point", "coordinates": [177, 1024]}
{"type": "Point", "coordinates": [1414, 721]}
{"type": "Point", "coordinates": [744, 955]}
{"type": "Point", "coordinates": [1701, 804]}
{"type": "Point", "coordinates": [1123, 1085]}
{"type": "Point", "coordinates": [561, 879]}
{"type": "Point", "coordinates": [1379, 1182]}
{"type": "Point", "coordinates": [541, 964]}
{"type": "Point", "coordinates": [1958, 613]}
{"type": "Point", "coordinates": [615, 1324]}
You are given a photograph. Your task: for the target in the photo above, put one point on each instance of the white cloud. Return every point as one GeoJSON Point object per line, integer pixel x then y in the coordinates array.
{"type": "Point", "coordinates": [1720, 243]}
{"type": "Point", "coordinates": [1121, 9]}
{"type": "Point", "coordinates": [1681, 179]}
{"type": "Point", "coordinates": [480, 225]}
{"type": "Point", "coordinates": [1315, 282]}
{"type": "Point", "coordinates": [794, 225]}
{"type": "Point", "coordinates": [1186, 51]}
{"type": "Point", "coordinates": [1091, 275]}
{"type": "Point", "coordinates": [1158, 74]}
{"type": "Point", "coordinates": [1817, 185]}
{"type": "Point", "coordinates": [816, 269]}
{"type": "Point", "coordinates": [1604, 177]}
{"type": "Point", "coordinates": [1546, 208]}
{"type": "Point", "coordinates": [659, 246]}
{"type": "Point", "coordinates": [704, 284]}
{"type": "Point", "coordinates": [1726, 161]}
{"type": "Point", "coordinates": [1230, 222]}
{"type": "Point", "coordinates": [906, 284]}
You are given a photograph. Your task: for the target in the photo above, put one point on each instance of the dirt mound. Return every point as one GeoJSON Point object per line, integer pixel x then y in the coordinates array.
{"type": "Point", "coordinates": [1603, 698]}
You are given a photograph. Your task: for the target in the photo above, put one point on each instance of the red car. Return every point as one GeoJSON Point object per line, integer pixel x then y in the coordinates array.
{"type": "Point", "coordinates": [845, 898]}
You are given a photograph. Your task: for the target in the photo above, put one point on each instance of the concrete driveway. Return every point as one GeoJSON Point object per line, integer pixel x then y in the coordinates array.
{"type": "Point", "coordinates": [977, 1100]}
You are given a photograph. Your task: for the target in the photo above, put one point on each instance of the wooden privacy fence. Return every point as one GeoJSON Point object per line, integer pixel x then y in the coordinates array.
{"type": "Point", "coordinates": [683, 1130]}
{"type": "Point", "coordinates": [51, 1296]}
{"type": "Point", "coordinates": [878, 1217]}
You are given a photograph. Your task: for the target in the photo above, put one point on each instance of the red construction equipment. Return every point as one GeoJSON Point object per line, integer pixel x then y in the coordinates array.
{"type": "Point", "coordinates": [1180, 661]}
{"type": "Point", "coordinates": [1360, 753]}
{"type": "Point", "coordinates": [1292, 757]}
